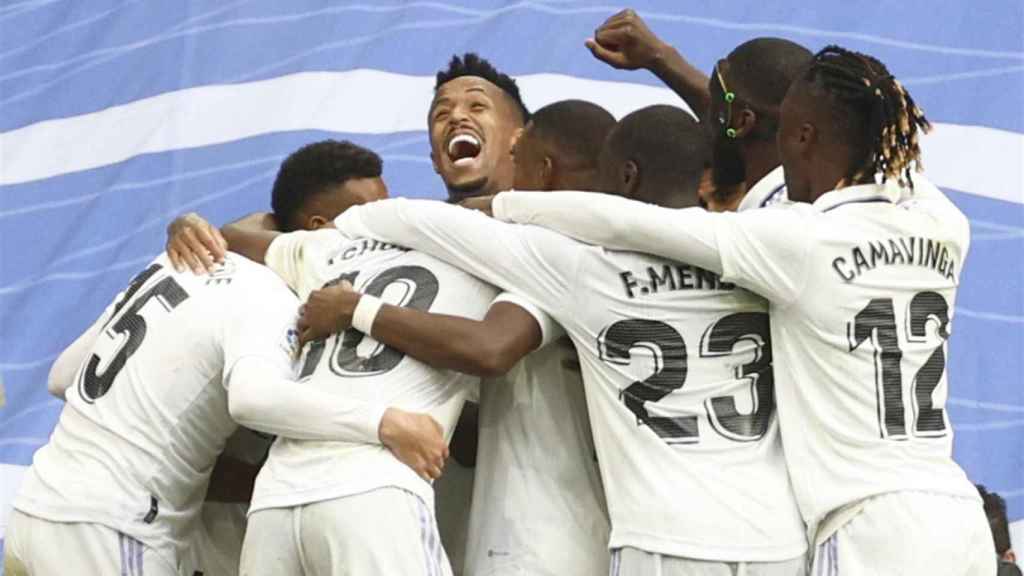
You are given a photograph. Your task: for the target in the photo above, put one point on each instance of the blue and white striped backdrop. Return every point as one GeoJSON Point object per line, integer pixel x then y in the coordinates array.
{"type": "Point", "coordinates": [118, 115]}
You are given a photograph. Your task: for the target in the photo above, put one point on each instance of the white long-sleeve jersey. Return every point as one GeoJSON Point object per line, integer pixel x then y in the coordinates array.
{"type": "Point", "coordinates": [147, 410]}
{"type": "Point", "coordinates": [861, 286]}
{"type": "Point", "coordinates": [677, 368]}
{"type": "Point", "coordinates": [300, 471]}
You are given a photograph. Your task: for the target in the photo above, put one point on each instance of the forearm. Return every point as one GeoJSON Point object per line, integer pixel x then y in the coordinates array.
{"type": "Point", "coordinates": [251, 236]}
{"type": "Point", "coordinates": [480, 348]}
{"type": "Point", "coordinates": [684, 79]}
{"type": "Point", "coordinates": [262, 399]}
{"type": "Point", "coordinates": [686, 235]}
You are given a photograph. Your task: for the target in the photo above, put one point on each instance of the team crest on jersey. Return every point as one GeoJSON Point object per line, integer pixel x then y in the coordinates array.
{"type": "Point", "coordinates": [291, 339]}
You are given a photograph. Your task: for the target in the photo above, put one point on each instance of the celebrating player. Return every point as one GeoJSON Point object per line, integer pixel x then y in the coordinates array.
{"type": "Point", "coordinates": [559, 524]}
{"type": "Point", "coordinates": [321, 506]}
{"type": "Point", "coordinates": [529, 513]}
{"type": "Point", "coordinates": [740, 100]}
{"type": "Point", "coordinates": [154, 389]}
{"type": "Point", "coordinates": [862, 292]}
{"type": "Point", "coordinates": [677, 362]}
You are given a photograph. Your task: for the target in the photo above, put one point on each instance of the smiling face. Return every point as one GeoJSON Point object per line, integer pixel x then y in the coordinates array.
{"type": "Point", "coordinates": [472, 126]}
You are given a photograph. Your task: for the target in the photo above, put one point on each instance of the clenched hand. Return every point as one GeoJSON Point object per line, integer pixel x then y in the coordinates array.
{"type": "Point", "coordinates": [624, 41]}
{"type": "Point", "coordinates": [327, 311]}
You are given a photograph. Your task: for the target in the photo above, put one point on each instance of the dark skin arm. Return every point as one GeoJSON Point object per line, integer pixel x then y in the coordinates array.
{"type": "Point", "coordinates": [486, 348]}
{"type": "Point", "coordinates": [251, 236]}
{"type": "Point", "coordinates": [625, 42]}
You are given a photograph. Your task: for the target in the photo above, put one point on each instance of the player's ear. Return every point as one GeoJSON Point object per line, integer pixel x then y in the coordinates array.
{"type": "Point", "coordinates": [547, 173]}
{"type": "Point", "coordinates": [629, 179]}
{"type": "Point", "coordinates": [744, 122]}
{"type": "Point", "coordinates": [316, 222]}
{"type": "Point", "coordinates": [807, 138]}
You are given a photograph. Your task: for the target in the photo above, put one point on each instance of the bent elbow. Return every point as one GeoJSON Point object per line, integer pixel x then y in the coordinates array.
{"type": "Point", "coordinates": [492, 361]}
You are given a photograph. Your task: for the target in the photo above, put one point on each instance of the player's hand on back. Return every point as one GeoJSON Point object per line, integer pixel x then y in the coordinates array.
{"type": "Point", "coordinates": [327, 311]}
{"type": "Point", "coordinates": [481, 203]}
{"type": "Point", "coordinates": [624, 41]}
{"type": "Point", "coordinates": [194, 243]}
{"type": "Point", "coordinates": [417, 440]}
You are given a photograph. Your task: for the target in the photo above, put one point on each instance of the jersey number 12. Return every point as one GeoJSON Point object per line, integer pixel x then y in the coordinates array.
{"type": "Point", "coordinates": [876, 324]}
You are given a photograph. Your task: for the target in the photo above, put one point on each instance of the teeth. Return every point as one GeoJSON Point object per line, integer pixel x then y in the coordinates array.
{"type": "Point", "coordinates": [463, 161]}
{"type": "Point", "coordinates": [462, 138]}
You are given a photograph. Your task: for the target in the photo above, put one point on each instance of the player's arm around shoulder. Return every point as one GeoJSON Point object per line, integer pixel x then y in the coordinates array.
{"type": "Point", "coordinates": [485, 347]}
{"type": "Point", "coordinates": [194, 243]}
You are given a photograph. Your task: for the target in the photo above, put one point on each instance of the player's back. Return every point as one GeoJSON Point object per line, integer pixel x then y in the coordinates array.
{"type": "Point", "coordinates": [356, 366]}
{"type": "Point", "coordinates": [680, 391]}
{"type": "Point", "coordinates": [147, 415]}
{"type": "Point", "coordinates": [864, 352]}
{"type": "Point", "coordinates": [538, 503]}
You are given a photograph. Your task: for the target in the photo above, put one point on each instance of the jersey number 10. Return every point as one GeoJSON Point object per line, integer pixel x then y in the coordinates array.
{"type": "Point", "coordinates": [421, 290]}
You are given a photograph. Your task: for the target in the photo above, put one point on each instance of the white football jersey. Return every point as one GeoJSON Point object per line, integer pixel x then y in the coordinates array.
{"type": "Point", "coordinates": [538, 504]}
{"type": "Point", "coordinates": [148, 413]}
{"type": "Point", "coordinates": [677, 368]}
{"type": "Point", "coordinates": [862, 285]}
{"type": "Point", "coordinates": [355, 365]}
{"type": "Point", "coordinates": [768, 191]}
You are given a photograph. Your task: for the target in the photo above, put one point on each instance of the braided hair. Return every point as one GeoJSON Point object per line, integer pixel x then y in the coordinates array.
{"type": "Point", "coordinates": [875, 112]}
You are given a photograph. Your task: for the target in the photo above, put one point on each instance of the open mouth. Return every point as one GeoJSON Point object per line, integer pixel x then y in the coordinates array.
{"type": "Point", "coordinates": [463, 149]}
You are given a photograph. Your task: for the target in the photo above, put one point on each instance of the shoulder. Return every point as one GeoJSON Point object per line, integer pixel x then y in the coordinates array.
{"type": "Point", "coordinates": [248, 282]}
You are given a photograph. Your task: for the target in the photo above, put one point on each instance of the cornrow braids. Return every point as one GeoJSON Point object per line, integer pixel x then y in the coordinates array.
{"type": "Point", "coordinates": [877, 113]}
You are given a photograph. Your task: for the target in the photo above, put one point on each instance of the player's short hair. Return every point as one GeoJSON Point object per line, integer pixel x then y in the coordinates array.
{"type": "Point", "coordinates": [667, 144]}
{"type": "Point", "coordinates": [873, 115]}
{"type": "Point", "coordinates": [995, 511]}
{"type": "Point", "coordinates": [576, 128]}
{"type": "Point", "coordinates": [471, 64]}
{"type": "Point", "coordinates": [763, 68]}
{"type": "Point", "coordinates": [314, 169]}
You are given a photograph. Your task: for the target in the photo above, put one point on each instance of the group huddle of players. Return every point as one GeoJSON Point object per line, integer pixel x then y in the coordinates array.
{"type": "Point", "coordinates": [759, 303]}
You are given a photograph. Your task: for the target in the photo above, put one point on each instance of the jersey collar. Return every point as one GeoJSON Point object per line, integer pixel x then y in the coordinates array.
{"type": "Point", "coordinates": [856, 195]}
{"type": "Point", "coordinates": [767, 191]}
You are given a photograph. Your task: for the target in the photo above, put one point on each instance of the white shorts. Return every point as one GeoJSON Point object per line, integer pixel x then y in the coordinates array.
{"type": "Point", "coordinates": [383, 532]}
{"type": "Point", "coordinates": [37, 547]}
{"type": "Point", "coordinates": [910, 534]}
{"type": "Point", "coordinates": [634, 562]}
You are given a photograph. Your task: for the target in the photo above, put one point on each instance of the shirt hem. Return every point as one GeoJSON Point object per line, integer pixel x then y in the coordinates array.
{"type": "Point", "coordinates": [703, 550]}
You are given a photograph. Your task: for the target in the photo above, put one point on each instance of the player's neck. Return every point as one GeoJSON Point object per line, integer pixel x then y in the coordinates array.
{"type": "Point", "coordinates": [762, 156]}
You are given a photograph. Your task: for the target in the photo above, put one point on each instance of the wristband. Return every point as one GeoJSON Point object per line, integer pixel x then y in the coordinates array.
{"type": "Point", "coordinates": [365, 312]}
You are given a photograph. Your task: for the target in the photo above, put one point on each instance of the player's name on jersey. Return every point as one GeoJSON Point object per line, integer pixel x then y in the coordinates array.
{"type": "Point", "coordinates": [670, 277]}
{"type": "Point", "coordinates": [910, 251]}
{"type": "Point", "coordinates": [363, 246]}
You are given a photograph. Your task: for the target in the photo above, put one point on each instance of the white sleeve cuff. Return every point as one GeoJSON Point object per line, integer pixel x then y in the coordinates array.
{"type": "Point", "coordinates": [550, 330]}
